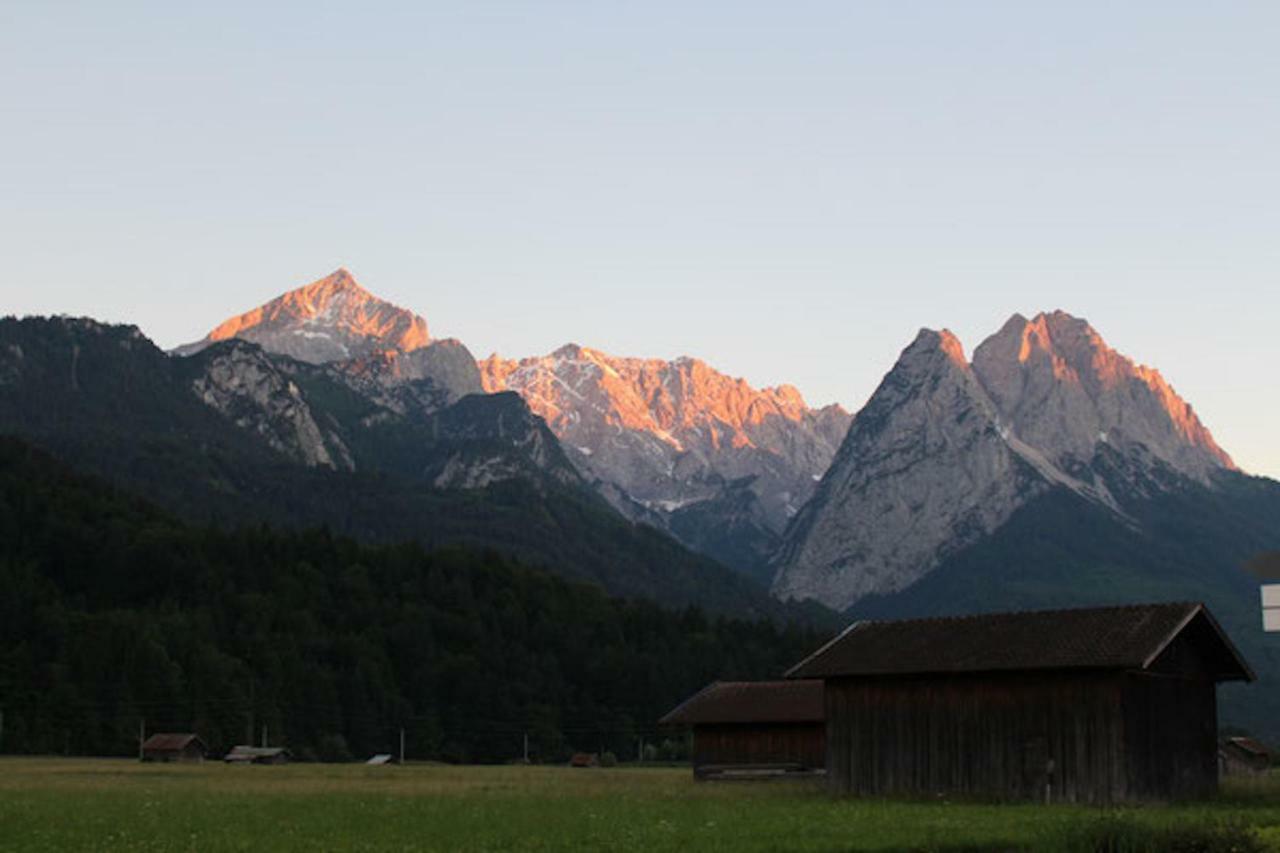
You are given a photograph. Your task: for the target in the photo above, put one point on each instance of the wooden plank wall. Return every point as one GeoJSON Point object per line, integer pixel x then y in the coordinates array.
{"type": "Point", "coordinates": [1171, 737]}
{"type": "Point", "coordinates": [760, 743]}
{"type": "Point", "coordinates": [978, 735]}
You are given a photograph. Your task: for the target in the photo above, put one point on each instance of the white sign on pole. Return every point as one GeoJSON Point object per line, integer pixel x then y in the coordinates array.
{"type": "Point", "coordinates": [1271, 607]}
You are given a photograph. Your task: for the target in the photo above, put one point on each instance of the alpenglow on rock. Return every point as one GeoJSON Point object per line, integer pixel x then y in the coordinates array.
{"type": "Point", "coordinates": [1061, 388]}
{"type": "Point", "coordinates": [669, 435]}
{"type": "Point", "coordinates": [945, 452]}
{"type": "Point", "coordinates": [377, 349]}
{"type": "Point", "coordinates": [332, 319]}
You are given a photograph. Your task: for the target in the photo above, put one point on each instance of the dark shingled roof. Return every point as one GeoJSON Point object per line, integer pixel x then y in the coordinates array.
{"type": "Point", "coordinates": [1129, 637]}
{"type": "Point", "coordinates": [166, 741]}
{"type": "Point", "coordinates": [795, 701]}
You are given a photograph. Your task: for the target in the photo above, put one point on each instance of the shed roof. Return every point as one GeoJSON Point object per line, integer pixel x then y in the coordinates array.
{"type": "Point", "coordinates": [1249, 745]}
{"type": "Point", "coordinates": [258, 751]}
{"type": "Point", "coordinates": [171, 741]}
{"type": "Point", "coordinates": [1128, 637]}
{"type": "Point", "coordinates": [796, 701]}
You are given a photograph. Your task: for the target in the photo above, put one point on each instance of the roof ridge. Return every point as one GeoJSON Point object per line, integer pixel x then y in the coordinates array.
{"type": "Point", "coordinates": [963, 617]}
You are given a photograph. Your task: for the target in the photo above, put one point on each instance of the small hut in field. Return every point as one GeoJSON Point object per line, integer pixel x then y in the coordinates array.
{"type": "Point", "coordinates": [1094, 705]}
{"type": "Point", "coordinates": [1243, 756]}
{"type": "Point", "coordinates": [170, 746]}
{"type": "Point", "coordinates": [743, 728]}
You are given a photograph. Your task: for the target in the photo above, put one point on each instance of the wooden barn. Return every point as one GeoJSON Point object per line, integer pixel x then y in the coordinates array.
{"type": "Point", "coordinates": [754, 727]}
{"type": "Point", "coordinates": [169, 746]}
{"type": "Point", "coordinates": [1090, 706]}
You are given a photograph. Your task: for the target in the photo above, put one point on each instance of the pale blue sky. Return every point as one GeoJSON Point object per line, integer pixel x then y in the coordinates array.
{"type": "Point", "coordinates": [788, 190]}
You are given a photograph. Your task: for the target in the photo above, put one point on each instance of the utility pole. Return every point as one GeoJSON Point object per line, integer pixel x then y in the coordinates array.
{"type": "Point", "coordinates": [264, 734]}
{"type": "Point", "coordinates": [248, 736]}
{"type": "Point", "coordinates": [1, 729]}
{"type": "Point", "coordinates": [640, 750]}
{"type": "Point", "coordinates": [142, 735]}
{"type": "Point", "coordinates": [526, 747]}
{"type": "Point", "coordinates": [402, 744]}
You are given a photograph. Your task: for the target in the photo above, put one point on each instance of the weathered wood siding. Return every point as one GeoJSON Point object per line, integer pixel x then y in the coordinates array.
{"type": "Point", "coordinates": [1111, 737]}
{"type": "Point", "coordinates": [760, 743]}
{"type": "Point", "coordinates": [978, 735]}
{"type": "Point", "coordinates": [1170, 737]}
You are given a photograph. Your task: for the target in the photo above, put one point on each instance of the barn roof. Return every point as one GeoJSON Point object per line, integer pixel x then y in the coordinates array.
{"type": "Point", "coordinates": [796, 701]}
{"type": "Point", "coordinates": [171, 740]}
{"type": "Point", "coordinates": [1130, 637]}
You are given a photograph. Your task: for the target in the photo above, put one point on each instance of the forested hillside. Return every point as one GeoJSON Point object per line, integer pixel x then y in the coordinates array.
{"type": "Point", "coordinates": [115, 612]}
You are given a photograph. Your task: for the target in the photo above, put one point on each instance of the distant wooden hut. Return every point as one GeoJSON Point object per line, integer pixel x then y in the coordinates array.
{"type": "Point", "coordinates": [258, 755]}
{"type": "Point", "coordinates": [170, 746]}
{"type": "Point", "coordinates": [1092, 705]}
{"type": "Point", "coordinates": [754, 728]}
{"type": "Point", "coordinates": [1243, 756]}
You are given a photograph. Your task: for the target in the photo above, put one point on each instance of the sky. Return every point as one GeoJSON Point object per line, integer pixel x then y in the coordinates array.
{"type": "Point", "coordinates": [786, 190]}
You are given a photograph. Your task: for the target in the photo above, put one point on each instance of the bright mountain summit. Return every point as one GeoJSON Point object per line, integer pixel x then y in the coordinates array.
{"type": "Point", "coordinates": [946, 451]}
{"type": "Point", "coordinates": [331, 319]}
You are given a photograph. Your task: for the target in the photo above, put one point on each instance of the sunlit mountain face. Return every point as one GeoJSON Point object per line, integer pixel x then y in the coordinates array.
{"type": "Point", "coordinates": [675, 437]}
{"type": "Point", "coordinates": [331, 319]}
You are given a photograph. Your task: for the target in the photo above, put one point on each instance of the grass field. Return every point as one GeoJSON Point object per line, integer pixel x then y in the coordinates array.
{"type": "Point", "coordinates": [69, 804]}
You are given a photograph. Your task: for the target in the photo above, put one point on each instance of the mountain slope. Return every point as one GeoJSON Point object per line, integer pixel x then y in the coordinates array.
{"type": "Point", "coordinates": [681, 439]}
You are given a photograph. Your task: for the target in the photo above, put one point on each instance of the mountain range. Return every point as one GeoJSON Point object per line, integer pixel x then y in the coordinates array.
{"type": "Point", "coordinates": [1048, 469]}
{"type": "Point", "coordinates": [702, 456]}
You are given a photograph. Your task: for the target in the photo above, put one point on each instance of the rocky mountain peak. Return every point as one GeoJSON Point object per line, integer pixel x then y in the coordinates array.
{"type": "Point", "coordinates": [1060, 387]}
{"type": "Point", "coordinates": [331, 319]}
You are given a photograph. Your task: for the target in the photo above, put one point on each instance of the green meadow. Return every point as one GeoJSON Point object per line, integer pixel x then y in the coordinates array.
{"type": "Point", "coordinates": [88, 804]}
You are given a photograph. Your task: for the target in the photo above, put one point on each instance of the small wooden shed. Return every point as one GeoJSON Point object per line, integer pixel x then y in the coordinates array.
{"type": "Point", "coordinates": [754, 727]}
{"type": "Point", "coordinates": [1093, 705]}
{"type": "Point", "coordinates": [172, 746]}
{"type": "Point", "coordinates": [1243, 756]}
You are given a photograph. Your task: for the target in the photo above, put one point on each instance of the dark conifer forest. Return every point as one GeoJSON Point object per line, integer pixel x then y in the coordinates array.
{"type": "Point", "coordinates": [115, 614]}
